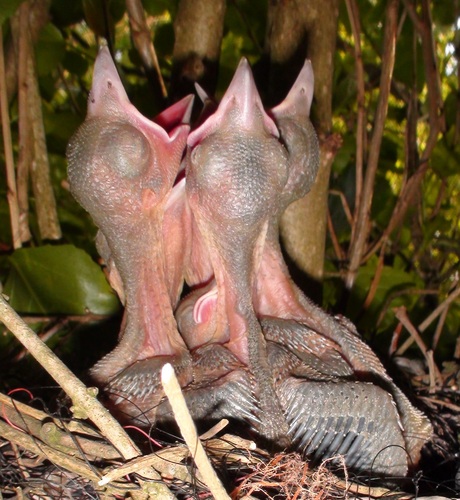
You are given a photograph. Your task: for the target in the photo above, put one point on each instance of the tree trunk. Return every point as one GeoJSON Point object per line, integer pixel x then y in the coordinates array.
{"type": "Point", "coordinates": [298, 29]}
{"type": "Point", "coordinates": [198, 30]}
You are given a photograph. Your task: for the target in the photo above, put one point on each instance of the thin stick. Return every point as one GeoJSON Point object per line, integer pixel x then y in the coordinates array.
{"type": "Point", "coordinates": [78, 392]}
{"type": "Point", "coordinates": [362, 219]}
{"type": "Point", "coordinates": [335, 241]}
{"type": "Point", "coordinates": [353, 15]}
{"type": "Point", "coordinates": [426, 323]}
{"type": "Point", "coordinates": [83, 398]}
{"type": "Point", "coordinates": [142, 39]}
{"type": "Point", "coordinates": [12, 194]}
{"type": "Point", "coordinates": [25, 154]}
{"type": "Point", "coordinates": [45, 202]}
{"type": "Point", "coordinates": [435, 374]}
{"type": "Point", "coordinates": [187, 427]}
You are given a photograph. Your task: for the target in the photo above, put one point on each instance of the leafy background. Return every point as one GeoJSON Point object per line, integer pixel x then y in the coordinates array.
{"type": "Point", "coordinates": [415, 265]}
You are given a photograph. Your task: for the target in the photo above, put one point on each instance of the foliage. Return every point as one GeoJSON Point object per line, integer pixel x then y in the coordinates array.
{"type": "Point", "coordinates": [422, 252]}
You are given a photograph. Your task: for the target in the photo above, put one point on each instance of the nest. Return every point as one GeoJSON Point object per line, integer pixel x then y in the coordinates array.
{"type": "Point", "coordinates": [87, 454]}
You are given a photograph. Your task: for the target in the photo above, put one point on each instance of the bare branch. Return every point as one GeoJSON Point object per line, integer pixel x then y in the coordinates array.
{"type": "Point", "coordinates": [25, 155]}
{"type": "Point", "coordinates": [435, 374]}
{"type": "Point", "coordinates": [358, 243]}
{"type": "Point", "coordinates": [345, 206]}
{"type": "Point", "coordinates": [38, 16]}
{"type": "Point", "coordinates": [83, 398]}
{"type": "Point", "coordinates": [353, 15]}
{"type": "Point", "coordinates": [198, 29]}
{"type": "Point", "coordinates": [426, 323]}
{"type": "Point", "coordinates": [375, 280]}
{"type": "Point", "coordinates": [45, 202]}
{"type": "Point", "coordinates": [9, 159]}
{"type": "Point", "coordinates": [142, 39]}
{"type": "Point", "coordinates": [335, 242]}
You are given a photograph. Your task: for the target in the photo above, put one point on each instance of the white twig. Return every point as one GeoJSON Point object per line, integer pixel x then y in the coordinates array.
{"type": "Point", "coordinates": [187, 428]}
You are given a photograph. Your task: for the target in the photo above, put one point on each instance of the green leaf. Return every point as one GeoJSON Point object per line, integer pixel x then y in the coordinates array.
{"type": "Point", "coordinates": [159, 7]}
{"type": "Point", "coordinates": [66, 13]}
{"type": "Point", "coordinates": [8, 8]}
{"type": "Point", "coordinates": [58, 280]}
{"type": "Point", "coordinates": [50, 50]}
{"type": "Point", "coordinates": [75, 63]}
{"type": "Point", "coordinates": [392, 280]}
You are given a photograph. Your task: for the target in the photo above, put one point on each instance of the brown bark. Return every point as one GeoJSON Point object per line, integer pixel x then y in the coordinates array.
{"type": "Point", "coordinates": [45, 203]}
{"type": "Point", "coordinates": [12, 195]}
{"type": "Point", "coordinates": [198, 30]}
{"type": "Point", "coordinates": [25, 154]}
{"type": "Point", "coordinates": [38, 16]}
{"type": "Point", "coordinates": [298, 29]}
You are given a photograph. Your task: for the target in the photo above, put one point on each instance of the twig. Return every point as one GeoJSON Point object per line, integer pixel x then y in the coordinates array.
{"type": "Point", "coordinates": [345, 206]}
{"type": "Point", "coordinates": [424, 26]}
{"type": "Point", "coordinates": [77, 391]}
{"type": "Point", "coordinates": [435, 374]}
{"type": "Point", "coordinates": [187, 427]}
{"type": "Point", "coordinates": [83, 398]}
{"type": "Point", "coordinates": [30, 443]}
{"type": "Point", "coordinates": [41, 182]}
{"type": "Point", "coordinates": [24, 125]}
{"type": "Point", "coordinates": [439, 327]}
{"type": "Point", "coordinates": [358, 243]}
{"type": "Point", "coordinates": [353, 15]}
{"type": "Point", "coordinates": [400, 293]}
{"type": "Point", "coordinates": [375, 280]}
{"type": "Point", "coordinates": [143, 41]}
{"type": "Point", "coordinates": [12, 195]}
{"type": "Point", "coordinates": [446, 303]}
{"type": "Point", "coordinates": [426, 323]}
{"type": "Point", "coordinates": [335, 241]}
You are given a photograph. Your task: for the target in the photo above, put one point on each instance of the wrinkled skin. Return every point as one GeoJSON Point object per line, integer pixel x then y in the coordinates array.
{"type": "Point", "coordinates": [245, 343]}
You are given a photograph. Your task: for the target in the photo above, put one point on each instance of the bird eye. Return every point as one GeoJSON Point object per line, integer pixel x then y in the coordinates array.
{"type": "Point", "coordinates": [125, 149]}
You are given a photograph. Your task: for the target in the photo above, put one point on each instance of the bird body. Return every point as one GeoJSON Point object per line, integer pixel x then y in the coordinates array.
{"type": "Point", "coordinates": [246, 343]}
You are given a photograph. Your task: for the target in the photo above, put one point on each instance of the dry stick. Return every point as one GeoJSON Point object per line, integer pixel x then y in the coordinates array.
{"type": "Point", "coordinates": [340, 254]}
{"type": "Point", "coordinates": [82, 397]}
{"type": "Point", "coordinates": [187, 428]}
{"type": "Point", "coordinates": [439, 327]}
{"type": "Point", "coordinates": [45, 202]}
{"type": "Point", "coordinates": [345, 206]}
{"type": "Point", "coordinates": [9, 161]}
{"type": "Point", "coordinates": [78, 392]}
{"type": "Point", "coordinates": [358, 243]}
{"type": "Point", "coordinates": [353, 15]}
{"type": "Point", "coordinates": [423, 25]}
{"type": "Point", "coordinates": [25, 131]}
{"type": "Point", "coordinates": [143, 40]}
{"type": "Point", "coordinates": [62, 459]}
{"type": "Point", "coordinates": [375, 280]}
{"type": "Point", "coordinates": [435, 374]}
{"type": "Point", "coordinates": [424, 325]}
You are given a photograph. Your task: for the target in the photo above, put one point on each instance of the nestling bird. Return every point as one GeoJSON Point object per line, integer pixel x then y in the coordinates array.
{"type": "Point", "coordinates": [204, 207]}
